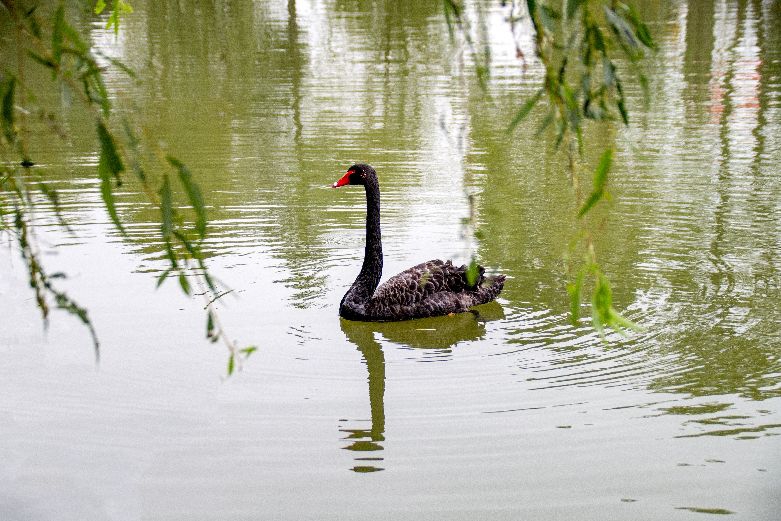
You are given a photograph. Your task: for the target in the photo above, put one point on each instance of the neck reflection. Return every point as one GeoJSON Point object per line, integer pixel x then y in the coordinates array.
{"type": "Point", "coordinates": [366, 441]}
{"type": "Point", "coordinates": [437, 333]}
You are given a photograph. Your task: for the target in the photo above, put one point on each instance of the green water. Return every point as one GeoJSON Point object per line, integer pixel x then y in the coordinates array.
{"type": "Point", "coordinates": [509, 413]}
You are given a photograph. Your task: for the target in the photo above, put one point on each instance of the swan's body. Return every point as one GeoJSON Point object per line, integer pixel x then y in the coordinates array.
{"type": "Point", "coordinates": [429, 289]}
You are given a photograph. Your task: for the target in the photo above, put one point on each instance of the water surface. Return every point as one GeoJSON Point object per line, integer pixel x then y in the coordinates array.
{"type": "Point", "coordinates": [506, 413]}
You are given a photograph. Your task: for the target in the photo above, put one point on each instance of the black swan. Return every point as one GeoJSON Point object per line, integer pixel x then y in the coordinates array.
{"type": "Point", "coordinates": [429, 289]}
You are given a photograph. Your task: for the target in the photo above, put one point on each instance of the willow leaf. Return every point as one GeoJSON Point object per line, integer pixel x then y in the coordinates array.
{"type": "Point", "coordinates": [211, 332]}
{"type": "Point", "coordinates": [600, 180]}
{"type": "Point", "coordinates": [193, 194]}
{"type": "Point", "coordinates": [641, 30]}
{"type": "Point", "coordinates": [32, 21]}
{"type": "Point", "coordinates": [185, 284]}
{"type": "Point", "coordinates": [109, 169]}
{"type": "Point", "coordinates": [7, 113]}
{"type": "Point", "coordinates": [231, 364]}
{"type": "Point", "coordinates": [524, 110]}
{"type": "Point", "coordinates": [46, 62]}
{"type": "Point", "coordinates": [108, 151]}
{"type": "Point", "coordinates": [572, 7]}
{"type": "Point", "coordinates": [574, 289]}
{"type": "Point", "coordinates": [621, 28]}
{"type": "Point", "coordinates": [161, 278]}
{"type": "Point", "coordinates": [472, 273]}
{"type": "Point", "coordinates": [57, 34]}
{"type": "Point", "coordinates": [166, 210]}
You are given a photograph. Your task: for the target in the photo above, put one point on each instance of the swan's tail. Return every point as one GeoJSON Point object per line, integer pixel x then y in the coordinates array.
{"type": "Point", "coordinates": [488, 292]}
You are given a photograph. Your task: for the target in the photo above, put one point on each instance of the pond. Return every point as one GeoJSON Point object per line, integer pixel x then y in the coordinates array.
{"type": "Point", "coordinates": [510, 412]}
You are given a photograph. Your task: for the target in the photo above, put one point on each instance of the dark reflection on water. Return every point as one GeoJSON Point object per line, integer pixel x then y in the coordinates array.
{"type": "Point", "coordinates": [368, 440]}
{"type": "Point", "coordinates": [441, 333]}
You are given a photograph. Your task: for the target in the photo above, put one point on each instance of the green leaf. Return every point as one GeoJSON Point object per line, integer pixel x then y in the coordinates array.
{"type": "Point", "coordinates": [568, 95]}
{"type": "Point", "coordinates": [75, 39]}
{"type": "Point", "coordinates": [561, 127]}
{"type": "Point", "coordinates": [548, 17]}
{"type": "Point", "coordinates": [119, 7]}
{"type": "Point", "coordinates": [482, 72]}
{"type": "Point", "coordinates": [46, 62]}
{"type": "Point", "coordinates": [100, 5]}
{"type": "Point", "coordinates": [602, 311]}
{"type": "Point", "coordinates": [598, 39]}
{"type": "Point", "coordinates": [32, 21]}
{"type": "Point", "coordinates": [641, 30]}
{"type": "Point", "coordinates": [609, 71]}
{"type": "Point", "coordinates": [453, 8]}
{"type": "Point", "coordinates": [193, 194]}
{"type": "Point", "coordinates": [184, 283]}
{"type": "Point", "coordinates": [161, 278]}
{"type": "Point", "coordinates": [113, 21]}
{"type": "Point", "coordinates": [66, 303]}
{"type": "Point", "coordinates": [472, 273]}
{"type": "Point", "coordinates": [109, 169]}
{"type": "Point", "coordinates": [248, 351]}
{"type": "Point", "coordinates": [191, 248]}
{"type": "Point", "coordinates": [574, 289]}
{"type": "Point", "coordinates": [619, 320]}
{"type": "Point", "coordinates": [92, 79]}
{"type": "Point", "coordinates": [600, 180]}
{"type": "Point", "coordinates": [7, 112]}
{"type": "Point", "coordinates": [644, 85]}
{"type": "Point", "coordinates": [54, 198]}
{"type": "Point", "coordinates": [166, 209]}
{"type": "Point", "coordinates": [107, 194]}
{"type": "Point", "coordinates": [451, 16]}
{"type": "Point", "coordinates": [424, 278]}
{"type": "Point", "coordinates": [231, 364]}
{"type": "Point", "coordinates": [644, 35]}
{"type": "Point", "coordinates": [620, 27]}
{"type": "Point", "coordinates": [625, 35]}
{"type": "Point", "coordinates": [57, 37]}
{"type": "Point", "coordinates": [601, 304]}
{"type": "Point", "coordinates": [579, 138]}
{"type": "Point", "coordinates": [124, 7]}
{"type": "Point", "coordinates": [525, 109]}
{"type": "Point", "coordinates": [620, 103]}
{"type": "Point", "coordinates": [572, 6]}
{"type": "Point", "coordinates": [170, 254]}
{"type": "Point", "coordinates": [622, 110]}
{"type": "Point", "coordinates": [545, 123]}
{"type": "Point", "coordinates": [596, 321]}
{"type": "Point", "coordinates": [205, 274]}
{"type": "Point", "coordinates": [120, 65]}
{"type": "Point", "coordinates": [108, 151]}
{"type": "Point", "coordinates": [211, 332]}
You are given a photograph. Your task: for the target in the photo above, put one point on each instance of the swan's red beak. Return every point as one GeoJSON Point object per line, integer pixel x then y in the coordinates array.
{"type": "Point", "coordinates": [344, 180]}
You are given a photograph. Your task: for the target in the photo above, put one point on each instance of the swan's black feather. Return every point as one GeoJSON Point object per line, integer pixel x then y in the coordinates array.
{"type": "Point", "coordinates": [429, 289]}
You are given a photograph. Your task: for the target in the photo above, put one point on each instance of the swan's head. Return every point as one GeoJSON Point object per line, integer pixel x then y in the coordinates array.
{"type": "Point", "coordinates": [357, 174]}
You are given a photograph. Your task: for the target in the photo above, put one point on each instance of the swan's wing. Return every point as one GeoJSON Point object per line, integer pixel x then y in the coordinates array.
{"type": "Point", "coordinates": [430, 289]}
{"type": "Point", "coordinates": [420, 282]}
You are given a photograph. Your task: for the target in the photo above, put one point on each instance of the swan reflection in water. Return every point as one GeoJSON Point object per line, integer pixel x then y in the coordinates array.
{"type": "Point", "coordinates": [427, 333]}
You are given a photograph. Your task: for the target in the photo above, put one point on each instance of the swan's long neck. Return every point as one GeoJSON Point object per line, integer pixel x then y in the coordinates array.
{"type": "Point", "coordinates": [371, 271]}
